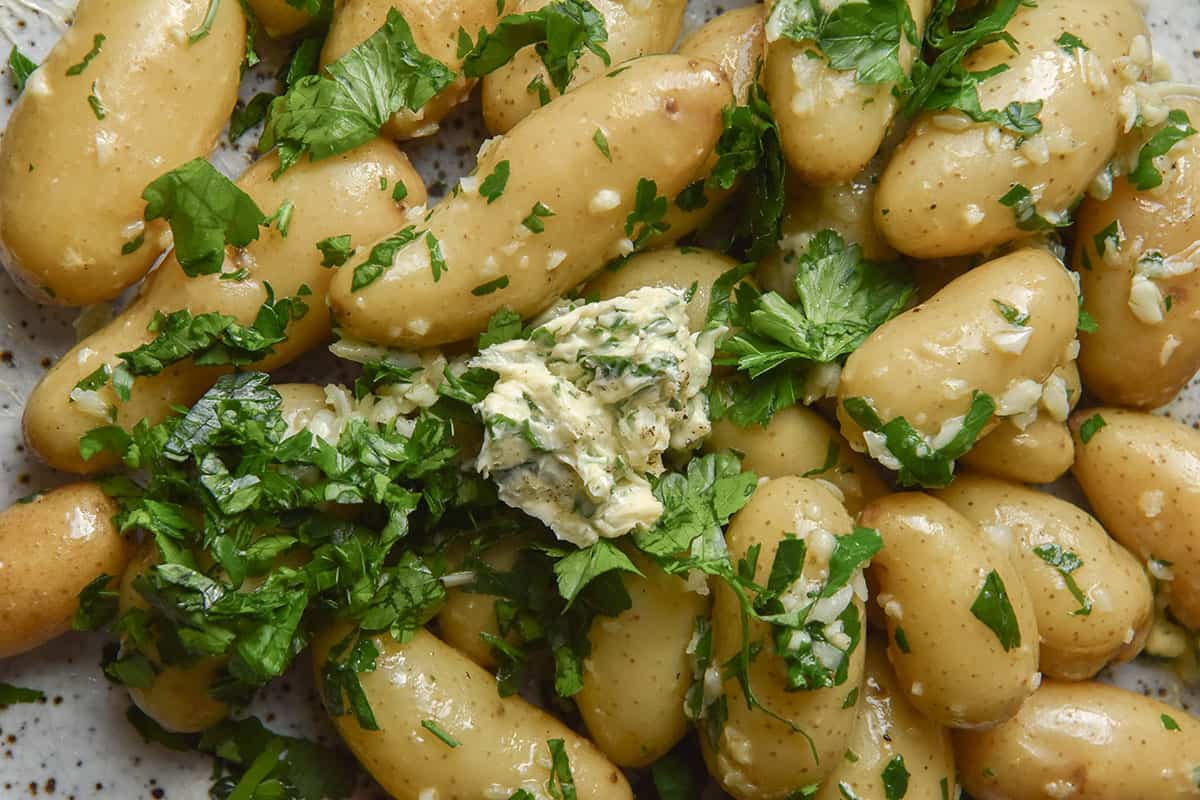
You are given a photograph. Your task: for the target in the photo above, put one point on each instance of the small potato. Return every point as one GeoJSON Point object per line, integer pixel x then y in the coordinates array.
{"type": "Point", "coordinates": [675, 99]}
{"type": "Point", "coordinates": [638, 674]}
{"type": "Point", "coordinates": [434, 25]}
{"type": "Point", "coordinates": [71, 183]}
{"type": "Point", "coordinates": [337, 196]}
{"type": "Point", "coordinates": [679, 268]}
{"type": "Point", "coordinates": [1044, 450]}
{"type": "Point", "coordinates": [1140, 475]}
{"type": "Point", "coordinates": [889, 728]}
{"type": "Point", "coordinates": [934, 567]}
{"type": "Point", "coordinates": [759, 757]}
{"type": "Point", "coordinates": [844, 208]}
{"type": "Point", "coordinates": [51, 547]}
{"type": "Point", "coordinates": [734, 42]}
{"type": "Point", "coordinates": [924, 364]}
{"type": "Point", "coordinates": [940, 194]}
{"type": "Point", "coordinates": [179, 699]}
{"type": "Point", "coordinates": [1142, 355]}
{"type": "Point", "coordinates": [635, 28]}
{"type": "Point", "coordinates": [502, 740]}
{"type": "Point", "coordinates": [1074, 645]}
{"type": "Point", "coordinates": [1085, 741]}
{"type": "Point", "coordinates": [797, 441]}
{"type": "Point", "coordinates": [466, 615]}
{"type": "Point", "coordinates": [279, 18]}
{"type": "Point", "coordinates": [830, 125]}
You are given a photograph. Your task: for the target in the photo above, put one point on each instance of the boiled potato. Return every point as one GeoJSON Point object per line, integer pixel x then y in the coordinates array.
{"type": "Point", "coordinates": [759, 757]}
{"type": "Point", "coordinates": [340, 195]}
{"type": "Point", "coordinates": [635, 28]}
{"type": "Point", "coordinates": [924, 364]}
{"type": "Point", "coordinates": [1078, 638]}
{"type": "Point", "coordinates": [279, 18]}
{"type": "Point", "coordinates": [1139, 473]}
{"type": "Point", "coordinates": [961, 656]}
{"type": "Point", "coordinates": [502, 740]}
{"type": "Point", "coordinates": [676, 99]}
{"type": "Point", "coordinates": [466, 615]}
{"type": "Point", "coordinates": [733, 41]}
{"type": "Point", "coordinates": [639, 671]}
{"type": "Point", "coordinates": [71, 183]}
{"type": "Point", "coordinates": [434, 25]}
{"type": "Point", "coordinates": [940, 194]}
{"type": "Point", "coordinates": [1086, 741]}
{"type": "Point", "coordinates": [830, 125]}
{"type": "Point", "coordinates": [674, 267]}
{"type": "Point", "coordinates": [1044, 450]}
{"type": "Point", "coordinates": [51, 547]}
{"type": "Point", "coordinates": [890, 731]}
{"type": "Point", "coordinates": [1143, 354]}
{"type": "Point", "coordinates": [798, 441]}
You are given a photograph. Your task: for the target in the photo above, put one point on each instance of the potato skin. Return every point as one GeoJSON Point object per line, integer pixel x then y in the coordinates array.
{"type": "Point", "coordinates": [279, 18]}
{"type": "Point", "coordinates": [637, 677]}
{"type": "Point", "coordinates": [796, 442]}
{"type": "Point", "coordinates": [1139, 475]}
{"type": "Point", "coordinates": [635, 29]}
{"type": "Point", "coordinates": [924, 364]}
{"type": "Point", "coordinates": [1073, 647]}
{"type": "Point", "coordinates": [465, 615]}
{"type": "Point", "coordinates": [502, 739]}
{"type": "Point", "coordinates": [888, 726]}
{"type": "Point", "coordinates": [673, 267]}
{"type": "Point", "coordinates": [1128, 362]}
{"type": "Point", "coordinates": [555, 161]}
{"type": "Point", "coordinates": [332, 197]}
{"type": "Point", "coordinates": [1086, 741]}
{"type": "Point", "coordinates": [933, 565]}
{"type": "Point", "coordinates": [165, 101]}
{"type": "Point", "coordinates": [51, 547]}
{"type": "Point", "coordinates": [769, 759]}
{"type": "Point", "coordinates": [830, 125]}
{"type": "Point", "coordinates": [940, 195]}
{"type": "Point", "coordinates": [434, 25]}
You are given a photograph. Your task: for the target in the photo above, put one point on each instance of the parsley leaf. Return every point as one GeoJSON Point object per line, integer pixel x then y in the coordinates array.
{"type": "Point", "coordinates": [672, 778]}
{"type": "Point", "coordinates": [206, 211]}
{"type": "Point", "coordinates": [1066, 562]}
{"type": "Point", "coordinates": [1012, 315]}
{"type": "Point", "coordinates": [440, 733]}
{"type": "Point", "coordinates": [602, 143]}
{"type": "Point", "coordinates": [1112, 235]}
{"type": "Point", "coordinates": [534, 221]}
{"type": "Point", "coordinates": [259, 763]}
{"type": "Point", "coordinates": [249, 115]}
{"type": "Point", "coordinates": [863, 37]}
{"type": "Point", "coordinates": [1069, 42]}
{"type": "Point", "coordinates": [649, 209]}
{"type": "Point", "coordinates": [437, 262]}
{"type": "Point", "coordinates": [11, 695]}
{"type": "Point", "coordinates": [1177, 128]}
{"type": "Point", "coordinates": [97, 605]}
{"type": "Point", "coordinates": [1024, 208]}
{"type": "Point", "coordinates": [1169, 723]}
{"type": "Point", "coordinates": [579, 568]}
{"type": "Point", "coordinates": [920, 464]}
{"type": "Point", "coordinates": [381, 257]}
{"type": "Point", "coordinates": [993, 609]}
{"type": "Point", "coordinates": [843, 298]}
{"type": "Point", "coordinates": [97, 44]}
{"type": "Point", "coordinates": [325, 116]}
{"type": "Point", "coordinates": [336, 250]}
{"type": "Point", "coordinates": [895, 779]}
{"type": "Point", "coordinates": [561, 785]}
{"type": "Point", "coordinates": [493, 185]}
{"type": "Point", "coordinates": [19, 68]}
{"type": "Point", "coordinates": [491, 286]}
{"type": "Point", "coordinates": [1090, 427]}
{"type": "Point", "coordinates": [559, 33]}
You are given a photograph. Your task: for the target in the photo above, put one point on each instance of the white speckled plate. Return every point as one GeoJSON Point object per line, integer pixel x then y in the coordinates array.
{"type": "Point", "coordinates": [77, 744]}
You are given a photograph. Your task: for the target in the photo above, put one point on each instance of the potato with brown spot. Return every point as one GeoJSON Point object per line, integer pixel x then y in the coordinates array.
{"type": "Point", "coordinates": [51, 547]}
{"type": "Point", "coordinates": [71, 177]}
{"type": "Point", "coordinates": [339, 195]}
{"type": "Point", "coordinates": [1078, 637]}
{"type": "Point", "coordinates": [952, 665]}
{"type": "Point", "coordinates": [1085, 741]}
{"type": "Point", "coordinates": [502, 741]}
{"type": "Point", "coordinates": [759, 757]}
{"type": "Point", "coordinates": [1141, 475]}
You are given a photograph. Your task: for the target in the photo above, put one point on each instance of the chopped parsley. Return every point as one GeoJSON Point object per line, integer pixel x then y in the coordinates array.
{"type": "Point", "coordinates": [437, 261]}
{"type": "Point", "coordinates": [249, 115]}
{"type": "Point", "coordinates": [1024, 209]}
{"type": "Point", "coordinates": [649, 209]}
{"type": "Point", "coordinates": [1069, 42]}
{"type": "Point", "coordinates": [324, 116]}
{"type": "Point", "coordinates": [11, 695]}
{"type": "Point", "coordinates": [895, 779]}
{"type": "Point", "coordinates": [559, 33]}
{"type": "Point", "coordinates": [490, 286]}
{"type": "Point", "coordinates": [539, 212]}
{"type": "Point", "coordinates": [1177, 128]}
{"type": "Point", "coordinates": [1066, 562]}
{"type": "Point", "coordinates": [440, 733]}
{"type": "Point", "coordinates": [1090, 427]}
{"type": "Point", "coordinates": [381, 258]}
{"type": "Point", "coordinates": [96, 103]}
{"type": "Point", "coordinates": [602, 143]}
{"type": "Point", "coordinates": [493, 185]}
{"type": "Point", "coordinates": [1111, 236]}
{"type": "Point", "coordinates": [97, 44]}
{"type": "Point", "coordinates": [862, 37]}
{"type": "Point", "coordinates": [336, 250]}
{"type": "Point", "coordinates": [673, 779]}
{"type": "Point", "coordinates": [1012, 315]}
{"type": "Point", "coordinates": [993, 609]}
{"type": "Point", "coordinates": [19, 68]}
{"type": "Point", "coordinates": [902, 640]}
{"type": "Point", "coordinates": [206, 212]}
{"type": "Point", "coordinates": [1169, 723]}
{"type": "Point", "coordinates": [205, 27]}
{"type": "Point", "coordinates": [97, 605]}
{"type": "Point", "coordinates": [919, 462]}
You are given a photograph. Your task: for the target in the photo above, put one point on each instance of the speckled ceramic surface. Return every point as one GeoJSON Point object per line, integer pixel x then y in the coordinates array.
{"type": "Point", "coordinates": [77, 744]}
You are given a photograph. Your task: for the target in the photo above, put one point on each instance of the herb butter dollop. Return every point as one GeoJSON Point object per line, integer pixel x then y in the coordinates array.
{"type": "Point", "coordinates": [585, 407]}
